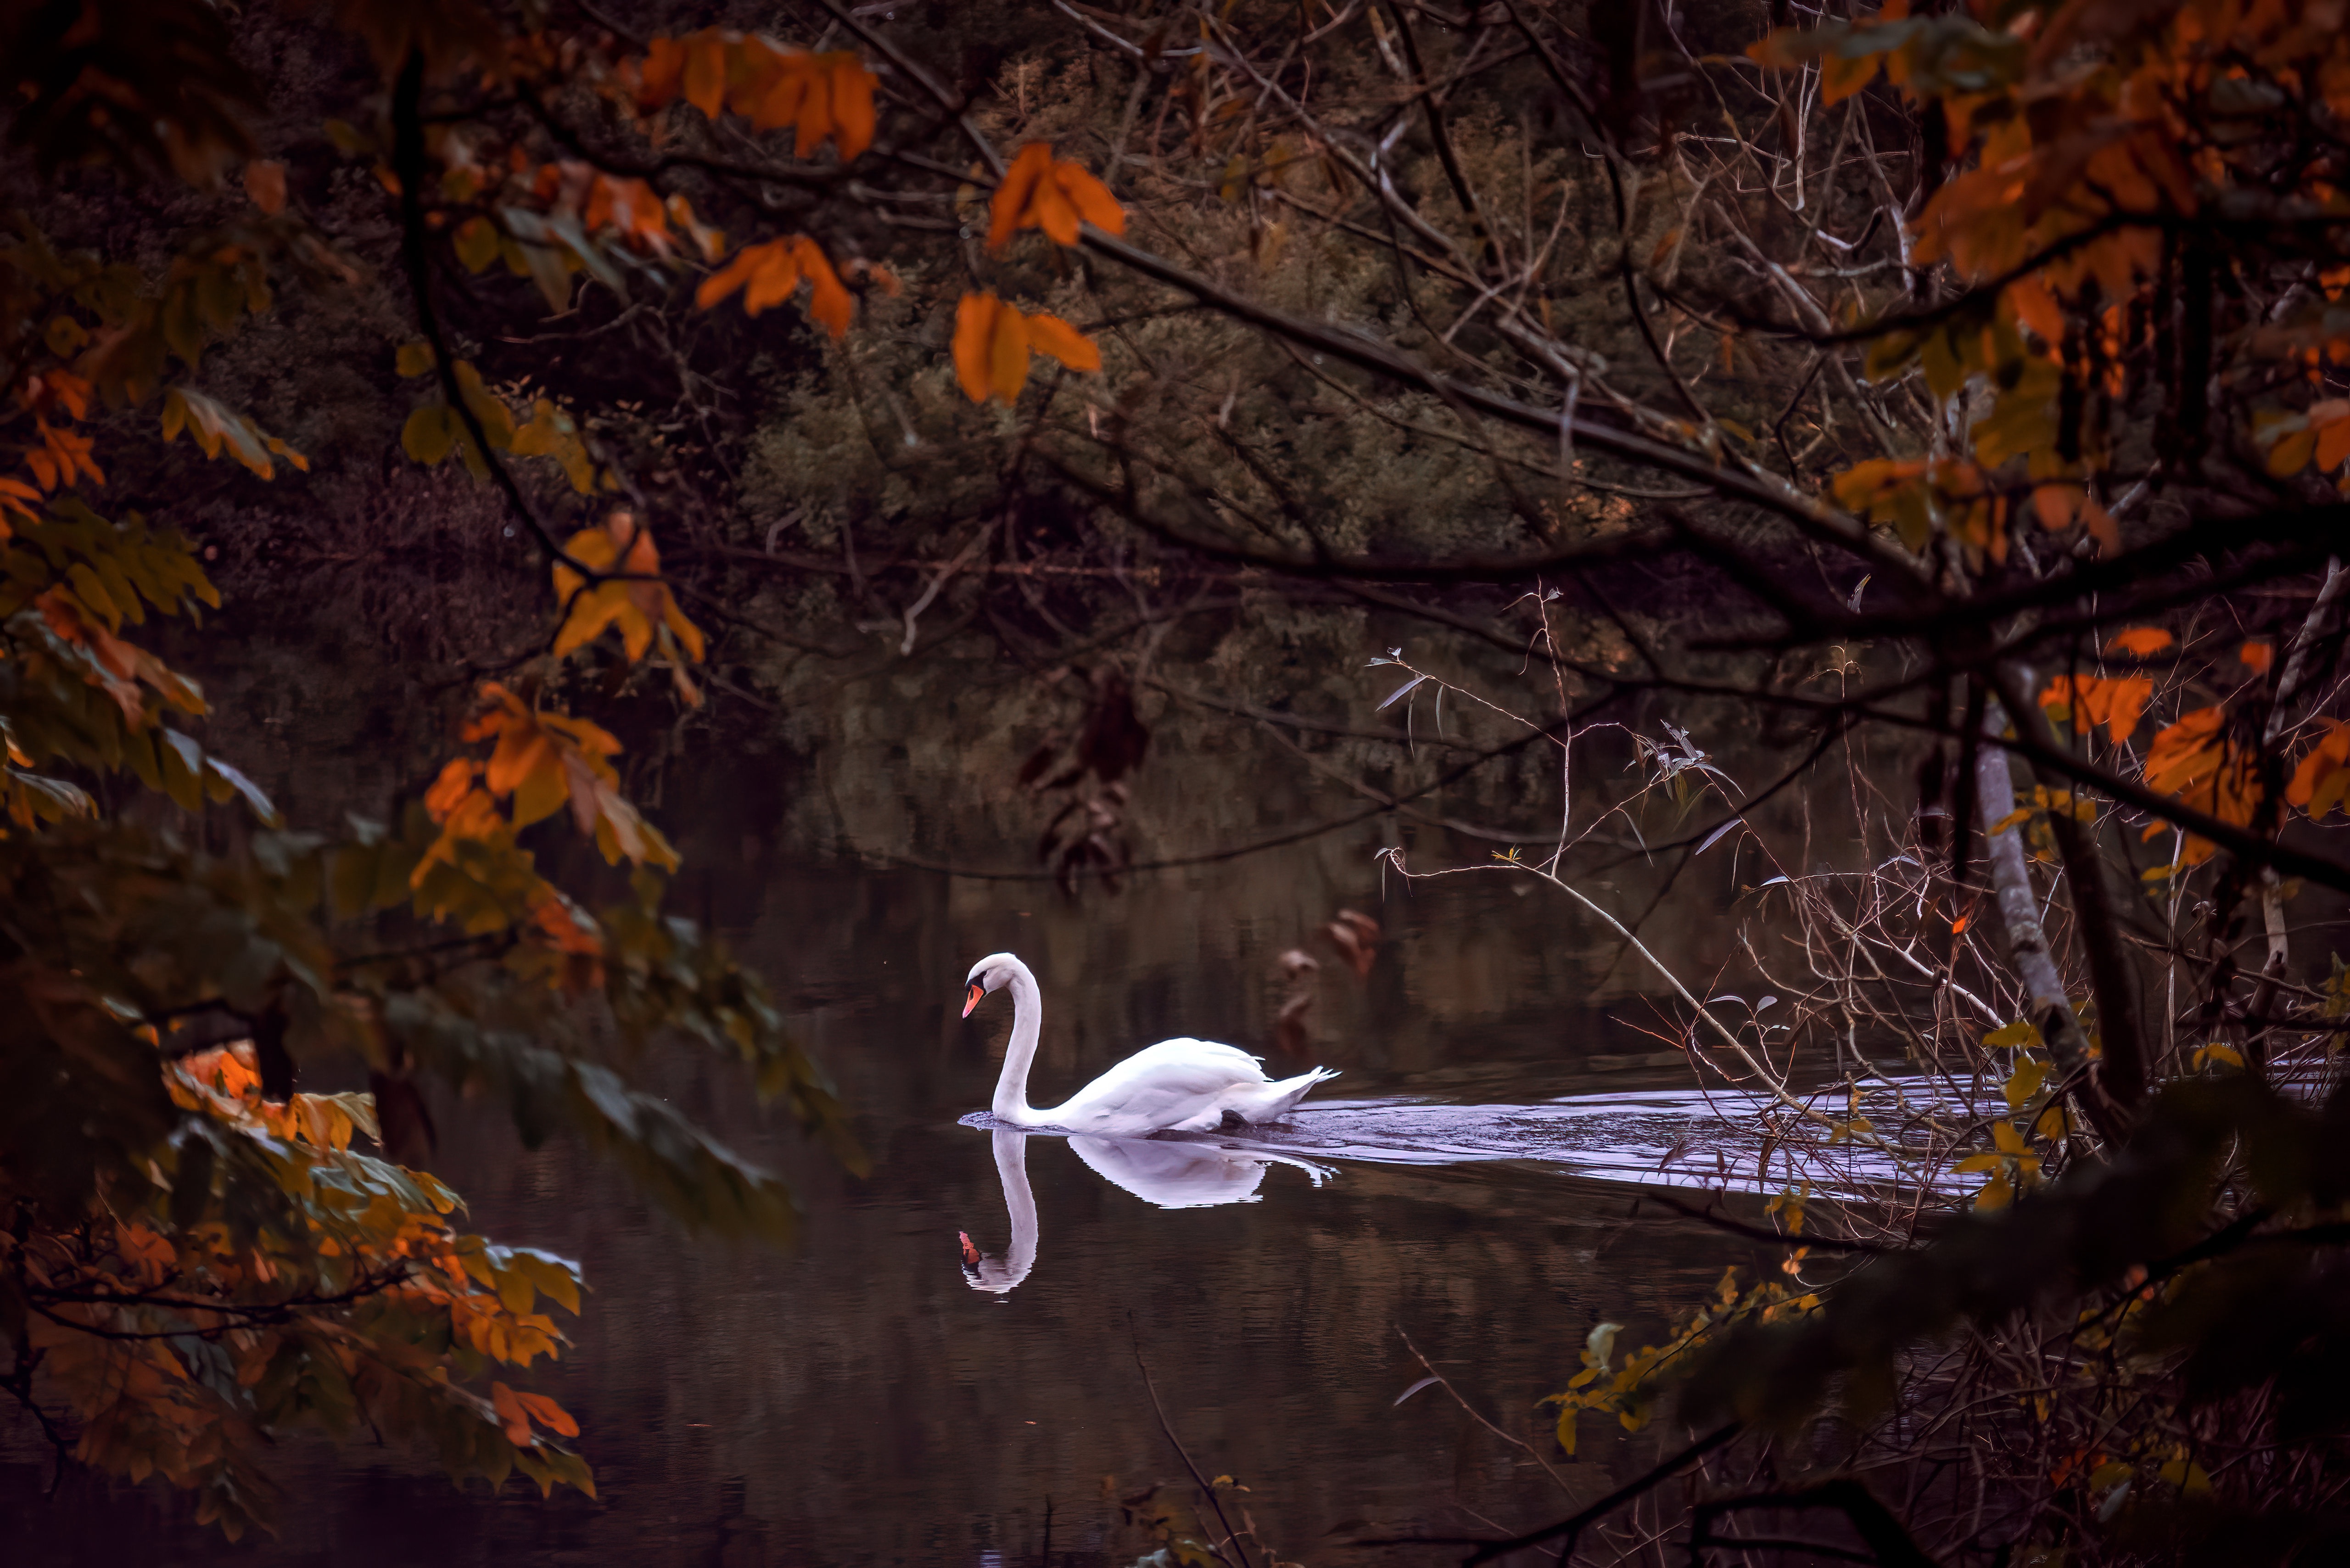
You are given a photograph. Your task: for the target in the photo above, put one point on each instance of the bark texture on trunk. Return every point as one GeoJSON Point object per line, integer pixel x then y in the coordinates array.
{"type": "Point", "coordinates": [2027, 937]}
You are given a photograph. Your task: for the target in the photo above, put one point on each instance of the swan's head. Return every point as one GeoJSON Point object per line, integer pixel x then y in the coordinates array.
{"type": "Point", "coordinates": [988, 973]}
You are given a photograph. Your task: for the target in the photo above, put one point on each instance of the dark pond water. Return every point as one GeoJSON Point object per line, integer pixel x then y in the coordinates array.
{"type": "Point", "coordinates": [857, 1401]}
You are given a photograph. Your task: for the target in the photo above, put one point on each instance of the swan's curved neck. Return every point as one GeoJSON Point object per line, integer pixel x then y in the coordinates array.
{"type": "Point", "coordinates": [1027, 1020]}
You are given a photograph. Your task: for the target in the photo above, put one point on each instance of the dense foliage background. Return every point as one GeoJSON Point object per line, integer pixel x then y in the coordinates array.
{"type": "Point", "coordinates": [1960, 390]}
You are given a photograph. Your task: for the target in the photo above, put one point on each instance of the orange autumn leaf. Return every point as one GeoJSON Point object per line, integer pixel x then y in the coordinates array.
{"type": "Point", "coordinates": [1039, 191]}
{"type": "Point", "coordinates": [2331, 421]}
{"type": "Point", "coordinates": [2062, 505]}
{"type": "Point", "coordinates": [540, 762]}
{"type": "Point", "coordinates": [2115, 702]}
{"type": "Point", "coordinates": [2196, 761]}
{"type": "Point", "coordinates": [2258, 656]}
{"type": "Point", "coordinates": [265, 183]}
{"type": "Point", "coordinates": [449, 790]}
{"type": "Point", "coordinates": [2321, 783]}
{"type": "Point", "coordinates": [2141, 640]}
{"type": "Point", "coordinates": [549, 1415]}
{"type": "Point", "coordinates": [638, 603]}
{"type": "Point", "coordinates": [820, 95]}
{"type": "Point", "coordinates": [768, 275]}
{"type": "Point", "coordinates": [511, 1417]}
{"type": "Point", "coordinates": [115, 667]}
{"type": "Point", "coordinates": [992, 342]}
{"type": "Point", "coordinates": [1051, 335]}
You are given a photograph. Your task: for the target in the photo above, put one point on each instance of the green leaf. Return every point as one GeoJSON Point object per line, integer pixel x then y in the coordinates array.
{"type": "Point", "coordinates": [181, 762]}
{"type": "Point", "coordinates": [413, 358]}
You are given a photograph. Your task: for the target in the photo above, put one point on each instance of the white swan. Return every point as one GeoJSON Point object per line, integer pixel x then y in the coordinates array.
{"type": "Point", "coordinates": [1175, 1086]}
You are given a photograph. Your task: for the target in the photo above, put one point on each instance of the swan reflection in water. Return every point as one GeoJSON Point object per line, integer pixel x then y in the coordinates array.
{"type": "Point", "coordinates": [1170, 1173]}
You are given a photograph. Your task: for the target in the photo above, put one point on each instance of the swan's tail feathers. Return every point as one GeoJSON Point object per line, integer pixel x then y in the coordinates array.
{"type": "Point", "coordinates": [1277, 1099]}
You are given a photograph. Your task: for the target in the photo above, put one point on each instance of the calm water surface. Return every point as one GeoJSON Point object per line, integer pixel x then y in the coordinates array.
{"type": "Point", "coordinates": [857, 1399]}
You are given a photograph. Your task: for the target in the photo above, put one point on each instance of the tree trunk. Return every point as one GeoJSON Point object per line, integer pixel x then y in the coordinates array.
{"type": "Point", "coordinates": [2098, 914]}
{"type": "Point", "coordinates": [2051, 1009]}
{"type": "Point", "coordinates": [2289, 681]}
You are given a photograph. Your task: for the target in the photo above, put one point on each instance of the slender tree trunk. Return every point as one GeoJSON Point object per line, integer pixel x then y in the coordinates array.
{"type": "Point", "coordinates": [2027, 939]}
{"type": "Point", "coordinates": [2098, 915]}
{"type": "Point", "coordinates": [2289, 681]}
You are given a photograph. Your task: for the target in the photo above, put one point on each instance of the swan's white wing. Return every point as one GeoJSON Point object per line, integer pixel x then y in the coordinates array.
{"type": "Point", "coordinates": [1162, 1087]}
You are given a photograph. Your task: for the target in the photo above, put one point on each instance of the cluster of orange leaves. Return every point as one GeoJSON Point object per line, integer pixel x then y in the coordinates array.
{"type": "Point", "coordinates": [147, 1405]}
{"type": "Point", "coordinates": [2321, 783]}
{"type": "Point", "coordinates": [63, 457]}
{"type": "Point", "coordinates": [769, 273]}
{"type": "Point", "coordinates": [637, 602]}
{"type": "Point", "coordinates": [2196, 760]}
{"type": "Point", "coordinates": [2085, 132]}
{"type": "Point", "coordinates": [2117, 701]}
{"type": "Point", "coordinates": [1041, 191]}
{"type": "Point", "coordinates": [769, 84]}
{"type": "Point", "coordinates": [488, 1307]}
{"type": "Point", "coordinates": [992, 342]}
{"type": "Point", "coordinates": [539, 761]}
{"type": "Point", "coordinates": [121, 665]}
{"type": "Point", "coordinates": [2322, 433]}
{"type": "Point", "coordinates": [627, 206]}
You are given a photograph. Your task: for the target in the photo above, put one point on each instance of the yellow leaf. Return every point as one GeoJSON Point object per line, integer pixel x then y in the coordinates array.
{"type": "Point", "coordinates": [429, 434]}
{"type": "Point", "coordinates": [477, 244]}
{"type": "Point", "coordinates": [2291, 453]}
{"type": "Point", "coordinates": [2024, 1082]}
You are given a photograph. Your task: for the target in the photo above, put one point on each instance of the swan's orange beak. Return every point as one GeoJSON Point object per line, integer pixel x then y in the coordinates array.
{"type": "Point", "coordinates": [977, 991]}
